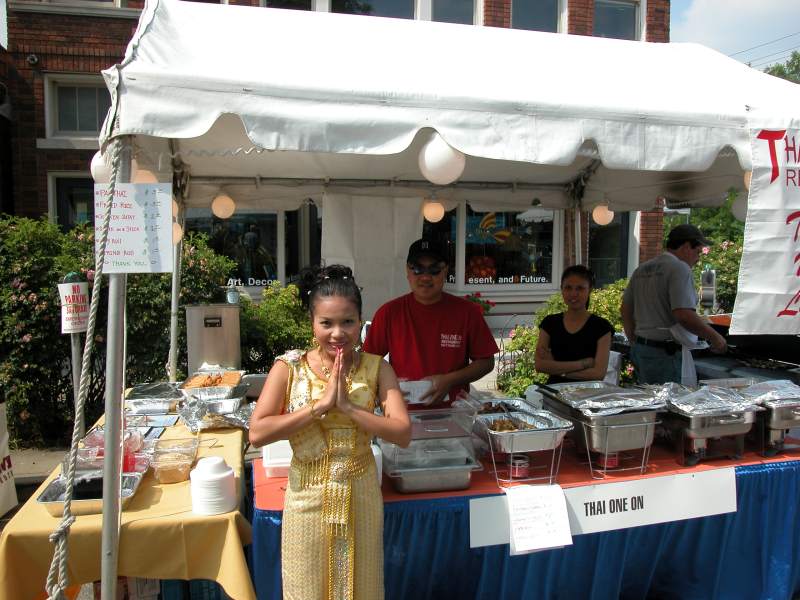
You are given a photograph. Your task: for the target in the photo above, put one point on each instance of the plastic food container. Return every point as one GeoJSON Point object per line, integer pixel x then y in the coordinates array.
{"type": "Point", "coordinates": [87, 498]}
{"type": "Point", "coordinates": [414, 390]}
{"type": "Point", "coordinates": [91, 459]}
{"type": "Point", "coordinates": [276, 458]}
{"type": "Point", "coordinates": [171, 467]}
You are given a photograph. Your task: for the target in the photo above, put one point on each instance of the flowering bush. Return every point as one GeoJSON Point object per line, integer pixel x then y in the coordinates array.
{"type": "Point", "coordinates": [724, 257]}
{"type": "Point", "coordinates": [485, 304]}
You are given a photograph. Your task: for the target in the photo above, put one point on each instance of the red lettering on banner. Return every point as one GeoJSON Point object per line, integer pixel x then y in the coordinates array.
{"type": "Point", "coordinates": [771, 137]}
{"type": "Point", "coordinates": [792, 177]}
{"type": "Point", "coordinates": [787, 312]}
{"type": "Point", "coordinates": [791, 151]}
{"type": "Point", "coordinates": [792, 217]}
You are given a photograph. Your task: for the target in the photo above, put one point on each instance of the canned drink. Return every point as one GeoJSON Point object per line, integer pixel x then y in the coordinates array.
{"type": "Point", "coordinates": [608, 461]}
{"type": "Point", "coordinates": [520, 467]}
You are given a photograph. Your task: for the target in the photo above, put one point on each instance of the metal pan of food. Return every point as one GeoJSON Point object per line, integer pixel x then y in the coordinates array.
{"type": "Point", "coordinates": [532, 431]}
{"type": "Point", "coordinates": [632, 430]}
{"type": "Point", "coordinates": [699, 425]}
{"type": "Point", "coordinates": [87, 497]}
{"type": "Point", "coordinates": [432, 479]}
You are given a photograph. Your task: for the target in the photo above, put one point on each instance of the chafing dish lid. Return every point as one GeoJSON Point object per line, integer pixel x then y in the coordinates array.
{"type": "Point", "coordinates": [774, 393]}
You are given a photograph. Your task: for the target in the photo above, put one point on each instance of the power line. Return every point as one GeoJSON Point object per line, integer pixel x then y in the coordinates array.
{"type": "Point", "coordinates": [793, 48]}
{"type": "Point", "coordinates": [766, 43]}
{"type": "Point", "coordinates": [772, 61]}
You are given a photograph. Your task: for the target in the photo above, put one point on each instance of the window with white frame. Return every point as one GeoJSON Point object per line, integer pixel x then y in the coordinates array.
{"type": "Point", "coordinates": [75, 105]}
{"type": "Point", "coordinates": [454, 11]}
{"type": "Point", "coordinates": [616, 19]}
{"type": "Point", "coordinates": [535, 15]}
{"type": "Point", "coordinates": [72, 200]}
{"type": "Point", "coordinates": [398, 9]}
{"type": "Point", "coordinates": [505, 250]}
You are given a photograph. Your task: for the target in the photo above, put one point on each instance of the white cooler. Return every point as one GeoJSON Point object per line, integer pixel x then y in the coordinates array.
{"type": "Point", "coordinates": [277, 457]}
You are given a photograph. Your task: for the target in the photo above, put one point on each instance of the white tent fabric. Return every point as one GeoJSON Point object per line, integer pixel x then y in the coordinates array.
{"type": "Point", "coordinates": [351, 98]}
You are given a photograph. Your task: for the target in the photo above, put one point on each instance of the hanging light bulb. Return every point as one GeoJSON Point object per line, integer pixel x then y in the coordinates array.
{"type": "Point", "coordinates": [223, 206]}
{"type": "Point", "coordinates": [141, 175]}
{"type": "Point", "coordinates": [601, 215]}
{"type": "Point", "coordinates": [439, 162]}
{"type": "Point", "coordinates": [175, 207]}
{"type": "Point", "coordinates": [177, 233]}
{"type": "Point", "coordinates": [101, 172]}
{"type": "Point", "coordinates": [748, 175]}
{"type": "Point", "coordinates": [432, 210]}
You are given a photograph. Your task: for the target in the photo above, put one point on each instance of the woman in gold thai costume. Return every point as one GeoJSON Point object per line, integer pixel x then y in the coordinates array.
{"type": "Point", "coordinates": [323, 400]}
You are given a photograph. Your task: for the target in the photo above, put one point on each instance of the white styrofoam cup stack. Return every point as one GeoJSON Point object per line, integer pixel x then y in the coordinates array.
{"type": "Point", "coordinates": [213, 486]}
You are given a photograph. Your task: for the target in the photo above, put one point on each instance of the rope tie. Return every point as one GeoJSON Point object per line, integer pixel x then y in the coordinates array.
{"type": "Point", "coordinates": [57, 577]}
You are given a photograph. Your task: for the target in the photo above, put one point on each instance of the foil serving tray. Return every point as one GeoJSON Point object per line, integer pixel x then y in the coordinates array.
{"type": "Point", "coordinates": [87, 496]}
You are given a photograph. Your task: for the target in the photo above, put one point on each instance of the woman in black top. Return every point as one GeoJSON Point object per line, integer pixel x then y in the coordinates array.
{"type": "Point", "coordinates": [574, 345]}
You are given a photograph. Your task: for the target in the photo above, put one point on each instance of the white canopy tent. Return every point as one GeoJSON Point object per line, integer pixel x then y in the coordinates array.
{"type": "Point", "coordinates": [278, 106]}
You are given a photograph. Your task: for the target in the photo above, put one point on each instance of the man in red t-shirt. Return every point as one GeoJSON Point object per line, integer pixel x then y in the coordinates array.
{"type": "Point", "coordinates": [430, 334]}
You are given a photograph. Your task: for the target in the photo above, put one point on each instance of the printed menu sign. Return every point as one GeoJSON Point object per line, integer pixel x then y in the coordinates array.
{"type": "Point", "coordinates": [140, 231]}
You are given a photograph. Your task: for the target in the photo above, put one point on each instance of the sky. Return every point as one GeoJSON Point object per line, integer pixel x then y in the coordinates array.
{"type": "Point", "coordinates": [736, 27]}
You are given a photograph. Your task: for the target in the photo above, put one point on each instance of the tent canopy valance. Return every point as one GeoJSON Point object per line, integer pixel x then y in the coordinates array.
{"type": "Point", "coordinates": [312, 101]}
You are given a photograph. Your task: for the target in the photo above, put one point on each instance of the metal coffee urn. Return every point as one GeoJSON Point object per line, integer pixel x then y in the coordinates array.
{"type": "Point", "coordinates": [212, 335]}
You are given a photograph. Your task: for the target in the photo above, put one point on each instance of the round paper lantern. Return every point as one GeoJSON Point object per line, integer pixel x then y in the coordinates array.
{"type": "Point", "coordinates": [223, 206]}
{"type": "Point", "coordinates": [739, 207]}
{"type": "Point", "coordinates": [433, 211]}
{"type": "Point", "coordinates": [601, 215]}
{"type": "Point", "coordinates": [748, 175]}
{"type": "Point", "coordinates": [439, 162]}
{"type": "Point", "coordinates": [101, 172]}
{"type": "Point", "coordinates": [177, 233]}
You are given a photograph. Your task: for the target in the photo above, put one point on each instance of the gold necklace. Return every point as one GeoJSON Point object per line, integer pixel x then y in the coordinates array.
{"type": "Point", "coordinates": [348, 378]}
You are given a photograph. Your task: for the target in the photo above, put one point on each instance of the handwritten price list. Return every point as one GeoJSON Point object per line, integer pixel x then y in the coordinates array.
{"type": "Point", "coordinates": [140, 232]}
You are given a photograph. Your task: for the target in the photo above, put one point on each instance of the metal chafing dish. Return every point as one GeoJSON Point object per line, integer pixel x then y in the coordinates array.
{"type": "Point", "coordinates": [87, 496]}
{"type": "Point", "coordinates": [708, 423]}
{"type": "Point", "coordinates": [781, 402]}
{"type": "Point", "coordinates": [624, 423]}
{"type": "Point", "coordinates": [440, 456]}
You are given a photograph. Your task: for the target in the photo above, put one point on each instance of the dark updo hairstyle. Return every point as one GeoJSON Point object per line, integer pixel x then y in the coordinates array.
{"type": "Point", "coordinates": [582, 272]}
{"type": "Point", "coordinates": [324, 282]}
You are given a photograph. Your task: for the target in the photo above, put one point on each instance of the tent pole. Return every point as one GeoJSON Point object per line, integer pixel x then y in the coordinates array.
{"type": "Point", "coordinates": [578, 241]}
{"type": "Point", "coordinates": [173, 320]}
{"type": "Point", "coordinates": [112, 464]}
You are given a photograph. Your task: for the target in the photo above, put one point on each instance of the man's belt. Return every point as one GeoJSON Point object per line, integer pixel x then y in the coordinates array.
{"type": "Point", "coordinates": [668, 346]}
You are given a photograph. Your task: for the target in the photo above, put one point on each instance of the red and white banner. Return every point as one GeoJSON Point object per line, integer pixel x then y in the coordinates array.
{"type": "Point", "coordinates": [768, 297]}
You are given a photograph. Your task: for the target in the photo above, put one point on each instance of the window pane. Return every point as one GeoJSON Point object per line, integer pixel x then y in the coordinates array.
{"type": "Point", "coordinates": [87, 109]}
{"type": "Point", "coordinates": [509, 247]}
{"type": "Point", "coordinates": [400, 9]}
{"type": "Point", "coordinates": [535, 15]}
{"type": "Point", "coordinates": [608, 249]}
{"type": "Point", "coordinates": [103, 104]}
{"type": "Point", "coordinates": [74, 201]}
{"type": "Point", "coordinates": [444, 232]}
{"type": "Point", "coordinates": [67, 108]}
{"type": "Point", "coordinates": [615, 19]}
{"type": "Point", "coordinates": [454, 11]}
{"type": "Point", "coordinates": [291, 4]}
{"type": "Point", "coordinates": [249, 239]}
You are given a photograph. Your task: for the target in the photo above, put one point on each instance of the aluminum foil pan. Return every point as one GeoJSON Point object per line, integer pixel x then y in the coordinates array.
{"type": "Point", "coordinates": [709, 401]}
{"type": "Point", "coordinates": [163, 390]}
{"type": "Point", "coordinates": [87, 497]}
{"type": "Point", "coordinates": [199, 415]}
{"type": "Point", "coordinates": [775, 393]}
{"type": "Point", "coordinates": [545, 433]}
{"type": "Point", "coordinates": [595, 400]}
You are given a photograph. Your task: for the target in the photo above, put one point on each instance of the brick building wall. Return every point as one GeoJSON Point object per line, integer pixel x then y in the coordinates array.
{"type": "Point", "coordinates": [46, 43]}
{"type": "Point", "coordinates": [497, 13]}
{"type": "Point", "coordinates": [580, 17]}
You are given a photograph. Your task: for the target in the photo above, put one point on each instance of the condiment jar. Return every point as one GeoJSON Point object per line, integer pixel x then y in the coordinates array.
{"type": "Point", "coordinates": [519, 466]}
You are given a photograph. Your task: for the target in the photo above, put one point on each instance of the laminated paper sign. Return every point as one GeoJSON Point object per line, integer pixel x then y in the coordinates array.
{"type": "Point", "coordinates": [74, 306]}
{"type": "Point", "coordinates": [140, 231]}
{"type": "Point", "coordinates": [768, 297]}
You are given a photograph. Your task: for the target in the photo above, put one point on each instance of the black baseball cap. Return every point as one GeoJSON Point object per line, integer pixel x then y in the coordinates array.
{"type": "Point", "coordinates": [424, 247]}
{"type": "Point", "coordinates": [686, 233]}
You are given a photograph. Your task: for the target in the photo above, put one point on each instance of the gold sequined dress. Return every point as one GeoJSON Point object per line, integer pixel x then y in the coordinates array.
{"type": "Point", "coordinates": [332, 536]}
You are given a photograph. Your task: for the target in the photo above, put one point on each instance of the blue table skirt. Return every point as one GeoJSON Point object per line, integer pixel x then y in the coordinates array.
{"type": "Point", "coordinates": [751, 554]}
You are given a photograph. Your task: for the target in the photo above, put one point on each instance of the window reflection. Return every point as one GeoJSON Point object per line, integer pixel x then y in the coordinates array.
{"type": "Point", "coordinates": [74, 201]}
{"type": "Point", "coordinates": [454, 11]}
{"type": "Point", "coordinates": [535, 15]}
{"type": "Point", "coordinates": [399, 9]}
{"type": "Point", "coordinates": [509, 247]}
{"type": "Point", "coordinates": [615, 19]}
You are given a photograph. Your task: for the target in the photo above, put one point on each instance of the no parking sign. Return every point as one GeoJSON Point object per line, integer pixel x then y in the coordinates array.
{"type": "Point", "coordinates": [74, 306]}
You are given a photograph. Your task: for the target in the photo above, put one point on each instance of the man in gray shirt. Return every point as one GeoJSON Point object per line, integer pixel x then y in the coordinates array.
{"type": "Point", "coordinates": [660, 294]}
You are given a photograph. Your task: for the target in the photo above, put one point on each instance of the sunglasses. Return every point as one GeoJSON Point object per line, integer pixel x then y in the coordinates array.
{"type": "Point", "coordinates": [433, 269]}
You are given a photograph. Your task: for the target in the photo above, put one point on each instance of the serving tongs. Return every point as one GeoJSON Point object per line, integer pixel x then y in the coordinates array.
{"type": "Point", "coordinates": [517, 423]}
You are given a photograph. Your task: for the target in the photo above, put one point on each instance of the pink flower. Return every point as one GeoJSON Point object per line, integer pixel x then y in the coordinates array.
{"type": "Point", "coordinates": [15, 283]}
{"type": "Point", "coordinates": [26, 338]}
{"type": "Point", "coordinates": [706, 249]}
{"type": "Point", "coordinates": [513, 333]}
{"type": "Point", "coordinates": [90, 274]}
